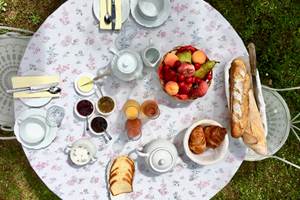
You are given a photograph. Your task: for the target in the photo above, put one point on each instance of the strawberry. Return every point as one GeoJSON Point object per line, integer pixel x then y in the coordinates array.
{"type": "Point", "coordinates": [198, 80]}
{"type": "Point", "coordinates": [170, 75]}
{"type": "Point", "coordinates": [185, 88]}
{"type": "Point", "coordinates": [199, 91]}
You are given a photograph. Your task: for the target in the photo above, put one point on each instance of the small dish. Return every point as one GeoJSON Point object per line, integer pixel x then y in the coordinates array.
{"type": "Point", "coordinates": [98, 125]}
{"type": "Point", "coordinates": [125, 9]}
{"type": "Point", "coordinates": [153, 20]}
{"type": "Point", "coordinates": [210, 156]}
{"type": "Point", "coordinates": [82, 79]}
{"type": "Point", "coordinates": [88, 108]}
{"type": "Point", "coordinates": [108, 102]}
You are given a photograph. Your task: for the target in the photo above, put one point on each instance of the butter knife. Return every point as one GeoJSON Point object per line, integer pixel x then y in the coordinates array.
{"type": "Point", "coordinates": [252, 60]}
{"type": "Point", "coordinates": [32, 88]}
{"type": "Point", "coordinates": [113, 14]}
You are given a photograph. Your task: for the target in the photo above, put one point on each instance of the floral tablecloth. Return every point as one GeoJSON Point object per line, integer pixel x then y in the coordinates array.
{"type": "Point", "coordinates": [69, 43]}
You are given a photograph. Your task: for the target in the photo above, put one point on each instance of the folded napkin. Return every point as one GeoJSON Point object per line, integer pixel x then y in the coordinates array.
{"type": "Point", "coordinates": [118, 21]}
{"type": "Point", "coordinates": [28, 81]}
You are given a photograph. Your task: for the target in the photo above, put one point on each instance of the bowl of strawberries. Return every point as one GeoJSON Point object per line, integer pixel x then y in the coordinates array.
{"type": "Point", "coordinates": [186, 73]}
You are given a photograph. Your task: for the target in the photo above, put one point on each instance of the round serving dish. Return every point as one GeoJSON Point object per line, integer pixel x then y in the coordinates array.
{"type": "Point", "coordinates": [210, 156]}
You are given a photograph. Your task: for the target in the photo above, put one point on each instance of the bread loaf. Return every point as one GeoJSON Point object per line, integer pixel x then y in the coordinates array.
{"type": "Point", "coordinates": [121, 175]}
{"type": "Point", "coordinates": [239, 99]}
{"type": "Point", "coordinates": [254, 135]}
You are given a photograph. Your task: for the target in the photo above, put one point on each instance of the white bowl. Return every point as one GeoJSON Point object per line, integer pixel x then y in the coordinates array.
{"type": "Point", "coordinates": [103, 113]}
{"type": "Point", "coordinates": [78, 114]}
{"type": "Point", "coordinates": [92, 130]}
{"type": "Point", "coordinates": [32, 130]}
{"type": "Point", "coordinates": [210, 156]}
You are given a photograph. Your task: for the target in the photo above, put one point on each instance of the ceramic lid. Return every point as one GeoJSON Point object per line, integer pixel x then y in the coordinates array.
{"type": "Point", "coordinates": [127, 63]}
{"type": "Point", "coordinates": [161, 160]}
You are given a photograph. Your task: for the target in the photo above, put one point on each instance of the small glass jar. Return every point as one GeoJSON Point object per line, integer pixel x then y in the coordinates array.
{"type": "Point", "coordinates": [55, 115]}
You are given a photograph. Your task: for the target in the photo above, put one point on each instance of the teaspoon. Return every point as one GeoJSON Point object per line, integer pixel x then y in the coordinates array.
{"type": "Point", "coordinates": [107, 17]}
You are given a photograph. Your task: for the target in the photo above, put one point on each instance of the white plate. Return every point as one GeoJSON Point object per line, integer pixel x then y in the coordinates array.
{"type": "Point", "coordinates": [125, 9]}
{"type": "Point", "coordinates": [35, 102]}
{"type": "Point", "coordinates": [210, 156]}
{"type": "Point", "coordinates": [161, 18]}
{"type": "Point", "coordinates": [40, 114]}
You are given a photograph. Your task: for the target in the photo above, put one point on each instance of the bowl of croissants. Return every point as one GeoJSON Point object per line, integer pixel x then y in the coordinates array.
{"type": "Point", "coordinates": [206, 142]}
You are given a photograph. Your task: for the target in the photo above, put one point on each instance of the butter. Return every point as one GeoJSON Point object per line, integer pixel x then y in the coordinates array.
{"type": "Point", "coordinates": [83, 80]}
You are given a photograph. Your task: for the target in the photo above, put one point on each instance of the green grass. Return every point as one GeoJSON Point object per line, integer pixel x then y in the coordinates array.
{"type": "Point", "coordinates": [274, 26]}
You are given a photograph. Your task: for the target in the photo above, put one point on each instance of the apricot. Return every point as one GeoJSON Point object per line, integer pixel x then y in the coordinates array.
{"type": "Point", "coordinates": [170, 59]}
{"type": "Point", "coordinates": [199, 57]}
{"type": "Point", "coordinates": [172, 88]}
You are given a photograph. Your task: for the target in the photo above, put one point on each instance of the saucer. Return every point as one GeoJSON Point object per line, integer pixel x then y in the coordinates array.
{"type": "Point", "coordinates": [125, 9]}
{"type": "Point", "coordinates": [39, 115]}
{"type": "Point", "coordinates": [80, 92]}
{"type": "Point", "coordinates": [161, 18]}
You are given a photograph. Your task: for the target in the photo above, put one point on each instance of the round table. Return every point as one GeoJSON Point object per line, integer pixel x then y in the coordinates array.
{"type": "Point", "coordinates": [69, 42]}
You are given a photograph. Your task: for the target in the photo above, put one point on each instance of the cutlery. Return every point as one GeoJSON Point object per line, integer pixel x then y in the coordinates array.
{"type": "Point", "coordinates": [252, 60]}
{"type": "Point", "coordinates": [51, 90]}
{"type": "Point", "coordinates": [38, 88]}
{"type": "Point", "coordinates": [107, 17]}
{"type": "Point", "coordinates": [108, 135]}
{"type": "Point", "coordinates": [97, 78]}
{"type": "Point", "coordinates": [113, 14]}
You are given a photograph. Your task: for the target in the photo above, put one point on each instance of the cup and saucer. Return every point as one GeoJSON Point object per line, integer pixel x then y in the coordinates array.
{"type": "Point", "coordinates": [150, 13]}
{"type": "Point", "coordinates": [32, 130]}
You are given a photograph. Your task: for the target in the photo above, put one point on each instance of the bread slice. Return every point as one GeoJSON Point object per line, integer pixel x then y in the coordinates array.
{"type": "Point", "coordinates": [121, 164]}
{"type": "Point", "coordinates": [254, 135]}
{"type": "Point", "coordinates": [239, 99]}
{"type": "Point", "coordinates": [120, 186]}
{"type": "Point", "coordinates": [120, 176]}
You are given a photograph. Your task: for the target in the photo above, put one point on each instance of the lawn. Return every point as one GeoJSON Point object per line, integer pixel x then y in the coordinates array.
{"type": "Point", "coordinates": [274, 26]}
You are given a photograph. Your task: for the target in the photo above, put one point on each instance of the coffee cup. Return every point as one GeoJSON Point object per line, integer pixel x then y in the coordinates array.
{"type": "Point", "coordinates": [98, 125]}
{"type": "Point", "coordinates": [105, 105]}
{"type": "Point", "coordinates": [151, 55]}
{"type": "Point", "coordinates": [149, 9]}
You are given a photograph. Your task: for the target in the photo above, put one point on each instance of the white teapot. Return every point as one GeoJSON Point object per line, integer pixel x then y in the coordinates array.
{"type": "Point", "coordinates": [160, 155]}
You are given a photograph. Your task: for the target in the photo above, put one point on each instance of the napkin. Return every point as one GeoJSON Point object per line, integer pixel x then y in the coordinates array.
{"type": "Point", "coordinates": [118, 21]}
{"type": "Point", "coordinates": [27, 81]}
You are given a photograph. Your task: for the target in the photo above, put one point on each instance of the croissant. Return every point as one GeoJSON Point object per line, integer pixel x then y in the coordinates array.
{"type": "Point", "coordinates": [214, 136]}
{"type": "Point", "coordinates": [197, 143]}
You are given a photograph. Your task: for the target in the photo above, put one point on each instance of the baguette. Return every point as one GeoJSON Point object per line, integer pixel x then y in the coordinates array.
{"type": "Point", "coordinates": [239, 99]}
{"type": "Point", "coordinates": [254, 135]}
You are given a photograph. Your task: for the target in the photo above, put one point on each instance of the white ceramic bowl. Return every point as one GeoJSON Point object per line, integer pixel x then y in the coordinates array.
{"type": "Point", "coordinates": [210, 156]}
{"type": "Point", "coordinates": [76, 111]}
{"type": "Point", "coordinates": [32, 130]}
{"type": "Point", "coordinates": [103, 113]}
{"type": "Point", "coordinates": [92, 130]}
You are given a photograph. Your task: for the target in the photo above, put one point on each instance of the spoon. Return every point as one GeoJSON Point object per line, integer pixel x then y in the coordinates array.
{"type": "Point", "coordinates": [52, 90]}
{"type": "Point", "coordinates": [107, 17]}
{"type": "Point", "coordinates": [108, 135]}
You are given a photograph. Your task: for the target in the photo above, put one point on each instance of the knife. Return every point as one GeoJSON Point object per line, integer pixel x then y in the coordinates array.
{"type": "Point", "coordinates": [252, 60]}
{"type": "Point", "coordinates": [32, 88]}
{"type": "Point", "coordinates": [113, 14]}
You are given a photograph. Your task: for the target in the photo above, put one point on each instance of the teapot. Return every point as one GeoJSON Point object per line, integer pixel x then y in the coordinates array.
{"type": "Point", "coordinates": [160, 155]}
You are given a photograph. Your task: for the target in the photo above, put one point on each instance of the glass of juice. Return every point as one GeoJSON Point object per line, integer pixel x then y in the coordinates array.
{"type": "Point", "coordinates": [150, 109]}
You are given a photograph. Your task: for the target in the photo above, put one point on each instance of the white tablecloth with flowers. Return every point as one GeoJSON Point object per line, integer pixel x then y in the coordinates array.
{"type": "Point", "coordinates": [69, 42]}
